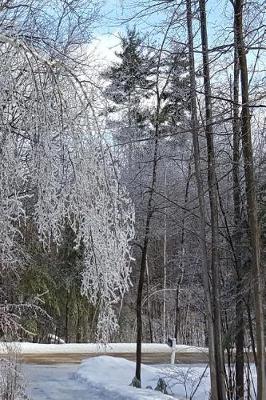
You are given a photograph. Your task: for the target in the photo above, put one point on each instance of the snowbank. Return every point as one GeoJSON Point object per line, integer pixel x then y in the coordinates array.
{"type": "Point", "coordinates": [91, 348]}
{"type": "Point", "coordinates": [113, 376]}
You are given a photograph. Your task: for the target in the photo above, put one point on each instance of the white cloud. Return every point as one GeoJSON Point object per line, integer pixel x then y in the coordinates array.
{"type": "Point", "coordinates": [101, 50]}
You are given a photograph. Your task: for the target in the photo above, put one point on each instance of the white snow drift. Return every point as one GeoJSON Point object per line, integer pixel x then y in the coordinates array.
{"type": "Point", "coordinates": [115, 375]}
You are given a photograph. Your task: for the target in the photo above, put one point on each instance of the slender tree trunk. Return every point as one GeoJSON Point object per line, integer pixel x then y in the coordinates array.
{"type": "Point", "coordinates": [182, 256]}
{"type": "Point", "coordinates": [66, 317]}
{"type": "Point", "coordinates": [78, 326]}
{"type": "Point", "coordinates": [144, 253]}
{"type": "Point", "coordinates": [213, 199]}
{"type": "Point", "coordinates": [130, 146]}
{"type": "Point", "coordinates": [202, 219]}
{"type": "Point", "coordinates": [164, 264]}
{"type": "Point", "coordinates": [139, 301]}
{"type": "Point", "coordinates": [240, 329]}
{"type": "Point", "coordinates": [254, 231]}
{"type": "Point", "coordinates": [148, 300]}
{"type": "Point", "coordinates": [251, 333]}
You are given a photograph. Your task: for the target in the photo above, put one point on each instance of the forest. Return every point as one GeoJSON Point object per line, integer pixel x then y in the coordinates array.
{"type": "Point", "coordinates": [133, 186]}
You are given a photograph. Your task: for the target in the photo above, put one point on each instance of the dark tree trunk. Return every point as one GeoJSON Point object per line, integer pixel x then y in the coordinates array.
{"type": "Point", "coordinates": [78, 326]}
{"type": "Point", "coordinates": [182, 255]}
{"type": "Point", "coordinates": [144, 254]}
{"type": "Point", "coordinates": [202, 214]}
{"type": "Point", "coordinates": [213, 200]}
{"type": "Point", "coordinates": [139, 305]}
{"type": "Point", "coordinates": [251, 334]}
{"type": "Point", "coordinates": [148, 302]}
{"type": "Point", "coordinates": [66, 317]}
{"type": "Point", "coordinates": [240, 329]}
{"type": "Point", "coordinates": [254, 231]}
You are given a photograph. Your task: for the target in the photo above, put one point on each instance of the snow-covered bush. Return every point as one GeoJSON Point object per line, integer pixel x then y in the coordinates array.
{"type": "Point", "coordinates": [191, 381]}
{"type": "Point", "coordinates": [11, 379]}
{"type": "Point", "coordinates": [56, 169]}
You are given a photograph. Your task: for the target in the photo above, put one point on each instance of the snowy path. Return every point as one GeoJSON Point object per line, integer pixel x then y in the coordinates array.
{"type": "Point", "coordinates": [46, 382]}
{"type": "Point", "coordinates": [106, 378]}
{"type": "Point", "coordinates": [57, 382]}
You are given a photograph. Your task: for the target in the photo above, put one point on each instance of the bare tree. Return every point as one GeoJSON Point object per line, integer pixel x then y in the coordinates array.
{"type": "Point", "coordinates": [204, 255]}
{"type": "Point", "coordinates": [240, 329]}
{"type": "Point", "coordinates": [213, 200]}
{"type": "Point", "coordinates": [254, 230]}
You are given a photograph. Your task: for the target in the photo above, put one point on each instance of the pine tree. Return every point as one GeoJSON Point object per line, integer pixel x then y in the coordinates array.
{"type": "Point", "coordinates": [130, 74]}
{"type": "Point", "coordinates": [176, 95]}
{"type": "Point", "coordinates": [130, 81]}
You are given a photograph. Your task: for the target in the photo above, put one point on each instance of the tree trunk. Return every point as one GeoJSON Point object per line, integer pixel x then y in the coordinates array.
{"type": "Point", "coordinates": [139, 302]}
{"type": "Point", "coordinates": [66, 317]}
{"type": "Point", "coordinates": [240, 329]}
{"type": "Point", "coordinates": [148, 301]}
{"type": "Point", "coordinates": [78, 326]}
{"type": "Point", "coordinates": [254, 232]}
{"type": "Point", "coordinates": [182, 245]}
{"type": "Point", "coordinates": [144, 253]}
{"type": "Point", "coordinates": [164, 264]}
{"type": "Point", "coordinates": [213, 200]}
{"type": "Point", "coordinates": [202, 219]}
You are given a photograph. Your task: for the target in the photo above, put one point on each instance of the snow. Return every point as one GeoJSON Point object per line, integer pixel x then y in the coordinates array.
{"type": "Point", "coordinates": [187, 381]}
{"type": "Point", "coordinates": [96, 348]}
{"type": "Point", "coordinates": [54, 382]}
{"type": "Point", "coordinates": [60, 382]}
{"type": "Point", "coordinates": [116, 374]}
{"type": "Point", "coordinates": [106, 377]}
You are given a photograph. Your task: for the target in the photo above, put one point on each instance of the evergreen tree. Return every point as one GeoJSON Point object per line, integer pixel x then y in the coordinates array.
{"type": "Point", "coordinates": [130, 74]}
{"type": "Point", "coordinates": [176, 95]}
{"type": "Point", "coordinates": [131, 82]}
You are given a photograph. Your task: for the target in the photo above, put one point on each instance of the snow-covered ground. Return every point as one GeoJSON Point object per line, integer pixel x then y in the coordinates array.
{"type": "Point", "coordinates": [115, 375]}
{"type": "Point", "coordinates": [108, 378]}
{"type": "Point", "coordinates": [55, 382]}
{"type": "Point", "coordinates": [78, 348]}
{"type": "Point", "coordinates": [62, 382]}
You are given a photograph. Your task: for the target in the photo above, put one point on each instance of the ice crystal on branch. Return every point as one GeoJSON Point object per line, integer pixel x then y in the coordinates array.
{"type": "Point", "coordinates": [11, 202]}
{"type": "Point", "coordinates": [55, 170]}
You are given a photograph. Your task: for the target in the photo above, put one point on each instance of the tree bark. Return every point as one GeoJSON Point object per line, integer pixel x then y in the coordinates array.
{"type": "Point", "coordinates": [144, 253]}
{"type": "Point", "coordinates": [164, 265]}
{"type": "Point", "coordinates": [213, 200]}
{"type": "Point", "coordinates": [240, 329]}
{"type": "Point", "coordinates": [66, 317]}
{"type": "Point", "coordinates": [254, 231]}
{"type": "Point", "coordinates": [182, 245]}
{"type": "Point", "coordinates": [202, 216]}
{"type": "Point", "coordinates": [148, 301]}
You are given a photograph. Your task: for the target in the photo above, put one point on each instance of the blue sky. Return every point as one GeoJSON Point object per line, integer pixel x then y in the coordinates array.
{"type": "Point", "coordinates": [115, 10]}
{"type": "Point", "coordinates": [220, 15]}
